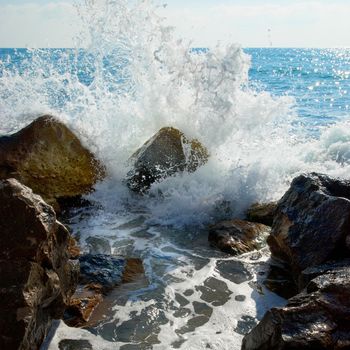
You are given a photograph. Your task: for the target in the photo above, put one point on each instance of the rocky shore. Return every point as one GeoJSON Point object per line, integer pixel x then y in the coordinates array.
{"type": "Point", "coordinates": [44, 276]}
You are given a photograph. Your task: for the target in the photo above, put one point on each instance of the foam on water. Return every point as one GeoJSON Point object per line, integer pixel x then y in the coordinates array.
{"type": "Point", "coordinates": [135, 78]}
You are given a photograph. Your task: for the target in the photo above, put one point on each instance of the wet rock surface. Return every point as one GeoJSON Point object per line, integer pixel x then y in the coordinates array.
{"type": "Point", "coordinates": [262, 213]}
{"type": "Point", "coordinates": [317, 318]}
{"type": "Point", "coordinates": [238, 236]}
{"type": "Point", "coordinates": [312, 222]}
{"type": "Point", "coordinates": [165, 154]}
{"type": "Point", "coordinates": [308, 238]}
{"type": "Point", "coordinates": [37, 277]}
{"type": "Point", "coordinates": [50, 159]}
{"type": "Point", "coordinates": [100, 274]}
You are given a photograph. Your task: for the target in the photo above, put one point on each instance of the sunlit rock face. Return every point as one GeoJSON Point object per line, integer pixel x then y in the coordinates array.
{"type": "Point", "coordinates": [164, 154]}
{"type": "Point", "coordinates": [49, 158]}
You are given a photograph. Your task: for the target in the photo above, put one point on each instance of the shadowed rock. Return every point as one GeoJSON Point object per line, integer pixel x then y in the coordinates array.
{"type": "Point", "coordinates": [318, 318]}
{"type": "Point", "coordinates": [312, 222]}
{"type": "Point", "coordinates": [37, 278]}
{"type": "Point", "coordinates": [50, 159]}
{"type": "Point", "coordinates": [262, 213]}
{"type": "Point", "coordinates": [238, 236]}
{"type": "Point", "coordinates": [165, 154]}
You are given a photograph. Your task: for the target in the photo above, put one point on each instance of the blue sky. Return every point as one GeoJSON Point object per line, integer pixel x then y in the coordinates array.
{"type": "Point", "coordinates": [252, 23]}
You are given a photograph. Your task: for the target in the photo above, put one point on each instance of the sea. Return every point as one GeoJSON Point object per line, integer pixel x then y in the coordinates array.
{"type": "Point", "coordinates": [265, 115]}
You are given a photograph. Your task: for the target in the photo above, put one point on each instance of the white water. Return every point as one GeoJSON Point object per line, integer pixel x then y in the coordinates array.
{"type": "Point", "coordinates": [255, 150]}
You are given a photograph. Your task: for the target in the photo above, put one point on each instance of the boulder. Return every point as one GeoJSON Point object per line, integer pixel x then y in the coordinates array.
{"type": "Point", "coordinates": [50, 159]}
{"type": "Point", "coordinates": [37, 278]}
{"type": "Point", "coordinates": [312, 222]}
{"type": "Point", "coordinates": [262, 213]}
{"type": "Point", "coordinates": [238, 236]}
{"type": "Point", "coordinates": [165, 154]}
{"type": "Point", "coordinates": [318, 318]}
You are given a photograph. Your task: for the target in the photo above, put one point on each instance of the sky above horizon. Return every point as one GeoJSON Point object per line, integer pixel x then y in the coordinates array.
{"type": "Point", "coordinates": [251, 23]}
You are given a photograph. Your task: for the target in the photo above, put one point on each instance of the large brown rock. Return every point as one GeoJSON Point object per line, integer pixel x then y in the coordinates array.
{"type": "Point", "coordinates": [316, 319]}
{"type": "Point", "coordinates": [50, 159]}
{"type": "Point", "coordinates": [37, 278]}
{"type": "Point", "coordinates": [312, 222]}
{"type": "Point", "coordinates": [262, 213]}
{"type": "Point", "coordinates": [165, 154]}
{"type": "Point", "coordinates": [238, 236]}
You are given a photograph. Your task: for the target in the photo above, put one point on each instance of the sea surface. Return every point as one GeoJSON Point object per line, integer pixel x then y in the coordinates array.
{"type": "Point", "coordinates": [265, 114]}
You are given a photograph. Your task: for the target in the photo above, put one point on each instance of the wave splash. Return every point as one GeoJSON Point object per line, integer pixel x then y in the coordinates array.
{"type": "Point", "coordinates": [135, 77]}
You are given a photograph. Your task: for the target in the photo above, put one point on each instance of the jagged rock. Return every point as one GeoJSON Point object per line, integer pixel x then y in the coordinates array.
{"type": "Point", "coordinates": [238, 236]}
{"type": "Point", "coordinates": [318, 318]}
{"type": "Point", "coordinates": [262, 213]}
{"type": "Point", "coordinates": [165, 154]}
{"type": "Point", "coordinates": [49, 158]}
{"type": "Point", "coordinates": [37, 278]}
{"type": "Point", "coordinates": [100, 274]}
{"type": "Point", "coordinates": [312, 222]}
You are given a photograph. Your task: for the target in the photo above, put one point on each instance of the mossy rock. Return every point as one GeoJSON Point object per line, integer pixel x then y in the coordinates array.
{"type": "Point", "coordinates": [50, 159]}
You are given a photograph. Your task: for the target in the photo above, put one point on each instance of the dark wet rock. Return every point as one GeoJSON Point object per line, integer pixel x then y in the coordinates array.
{"type": "Point", "coordinates": [312, 222]}
{"type": "Point", "coordinates": [202, 309]}
{"type": "Point", "coordinates": [181, 300]}
{"type": "Point", "coordinates": [37, 278]}
{"type": "Point", "coordinates": [50, 159]}
{"type": "Point", "coordinates": [98, 245]}
{"type": "Point", "coordinates": [101, 269]}
{"type": "Point", "coordinates": [165, 154]}
{"type": "Point", "coordinates": [317, 318]}
{"type": "Point", "coordinates": [234, 271]}
{"type": "Point", "coordinates": [238, 236]}
{"type": "Point", "coordinates": [280, 281]}
{"type": "Point", "coordinates": [214, 291]}
{"type": "Point", "coordinates": [245, 324]}
{"type": "Point", "coordinates": [331, 267]}
{"type": "Point", "coordinates": [262, 213]}
{"type": "Point", "coordinates": [100, 274]}
{"type": "Point", "coordinates": [240, 298]}
{"type": "Point", "coordinates": [74, 344]}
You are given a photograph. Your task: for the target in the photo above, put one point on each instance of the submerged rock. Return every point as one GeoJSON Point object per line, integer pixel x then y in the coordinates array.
{"type": "Point", "coordinates": [99, 275]}
{"type": "Point", "coordinates": [165, 154]}
{"type": "Point", "coordinates": [312, 222]}
{"type": "Point", "coordinates": [318, 318]}
{"type": "Point", "coordinates": [262, 213]}
{"type": "Point", "coordinates": [50, 159]}
{"type": "Point", "coordinates": [238, 236]}
{"type": "Point", "coordinates": [37, 277]}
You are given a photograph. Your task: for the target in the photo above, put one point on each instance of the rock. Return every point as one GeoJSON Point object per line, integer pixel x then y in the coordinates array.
{"type": "Point", "coordinates": [98, 245]}
{"type": "Point", "coordinates": [37, 277]}
{"type": "Point", "coordinates": [262, 213]}
{"type": "Point", "coordinates": [165, 154]}
{"type": "Point", "coordinates": [100, 274]}
{"type": "Point", "coordinates": [312, 222]}
{"type": "Point", "coordinates": [49, 158]}
{"type": "Point", "coordinates": [238, 236]}
{"type": "Point", "coordinates": [101, 269]}
{"type": "Point", "coordinates": [318, 318]}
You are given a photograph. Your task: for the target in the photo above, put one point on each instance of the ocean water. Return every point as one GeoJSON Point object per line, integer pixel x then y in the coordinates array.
{"type": "Point", "coordinates": [265, 115]}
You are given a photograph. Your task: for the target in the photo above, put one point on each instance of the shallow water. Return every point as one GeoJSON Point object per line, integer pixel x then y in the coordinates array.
{"type": "Point", "coordinates": [265, 116]}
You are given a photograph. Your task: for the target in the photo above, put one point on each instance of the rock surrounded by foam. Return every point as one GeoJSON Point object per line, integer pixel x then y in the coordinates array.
{"type": "Point", "coordinates": [50, 159]}
{"type": "Point", "coordinates": [238, 236]}
{"type": "Point", "coordinates": [37, 277]}
{"type": "Point", "coordinates": [312, 222]}
{"type": "Point", "coordinates": [317, 318]}
{"type": "Point", "coordinates": [165, 154]}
